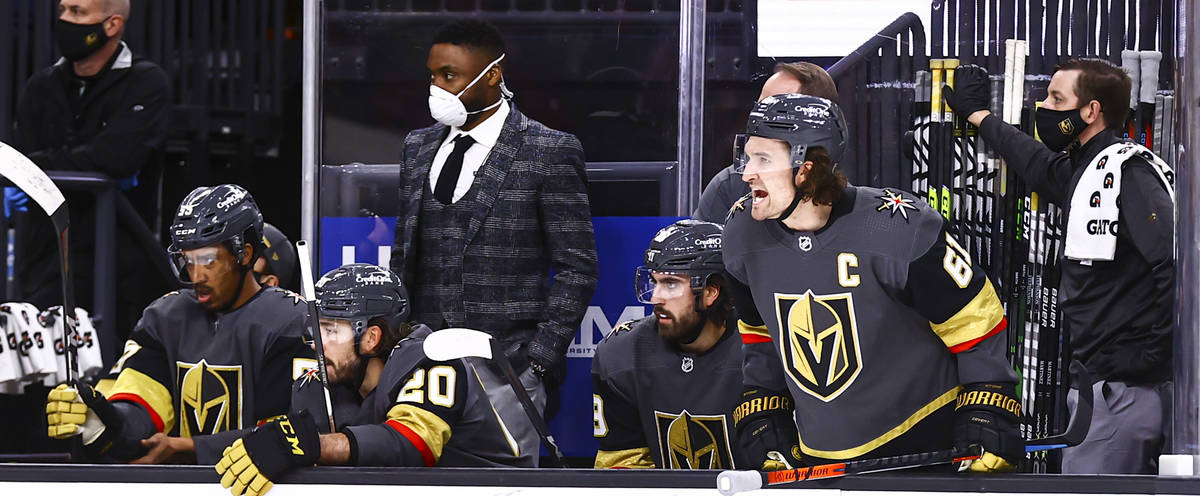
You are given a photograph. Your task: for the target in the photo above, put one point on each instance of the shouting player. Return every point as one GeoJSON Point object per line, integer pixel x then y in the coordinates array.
{"type": "Point", "coordinates": [665, 385]}
{"type": "Point", "coordinates": [867, 329]}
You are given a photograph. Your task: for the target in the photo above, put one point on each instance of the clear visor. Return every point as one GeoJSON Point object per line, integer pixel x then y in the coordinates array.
{"type": "Point", "coordinates": [755, 154]}
{"type": "Point", "coordinates": [652, 285]}
{"type": "Point", "coordinates": [332, 331]}
{"type": "Point", "coordinates": [183, 261]}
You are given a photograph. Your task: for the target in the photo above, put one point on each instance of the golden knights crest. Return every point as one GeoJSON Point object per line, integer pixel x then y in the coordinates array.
{"type": "Point", "coordinates": [819, 342]}
{"type": "Point", "coordinates": [689, 441]}
{"type": "Point", "coordinates": [210, 398]}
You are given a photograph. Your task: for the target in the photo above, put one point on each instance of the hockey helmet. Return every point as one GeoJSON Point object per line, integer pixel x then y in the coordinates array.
{"type": "Point", "coordinates": [802, 121]}
{"type": "Point", "coordinates": [688, 247]}
{"type": "Point", "coordinates": [359, 292]}
{"type": "Point", "coordinates": [279, 254]}
{"type": "Point", "coordinates": [216, 214]}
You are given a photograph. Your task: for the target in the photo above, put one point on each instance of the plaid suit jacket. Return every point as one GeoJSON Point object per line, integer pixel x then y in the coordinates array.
{"type": "Point", "coordinates": [532, 216]}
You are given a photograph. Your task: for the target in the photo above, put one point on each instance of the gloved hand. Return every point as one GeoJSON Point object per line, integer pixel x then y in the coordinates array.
{"type": "Point", "coordinates": [79, 410]}
{"type": "Point", "coordinates": [766, 429]}
{"type": "Point", "coordinates": [15, 200]}
{"type": "Point", "coordinates": [972, 91]}
{"type": "Point", "coordinates": [989, 415]}
{"type": "Point", "coordinates": [251, 464]}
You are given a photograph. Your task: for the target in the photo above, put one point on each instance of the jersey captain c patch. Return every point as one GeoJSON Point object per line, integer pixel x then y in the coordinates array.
{"type": "Point", "coordinates": [210, 398]}
{"type": "Point", "coordinates": [819, 342]}
{"type": "Point", "coordinates": [689, 441]}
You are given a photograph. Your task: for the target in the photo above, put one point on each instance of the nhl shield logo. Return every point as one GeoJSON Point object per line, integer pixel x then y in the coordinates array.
{"type": "Point", "coordinates": [689, 441]}
{"type": "Point", "coordinates": [805, 243]}
{"type": "Point", "coordinates": [819, 342]}
{"type": "Point", "coordinates": [210, 398]}
{"type": "Point", "coordinates": [686, 366]}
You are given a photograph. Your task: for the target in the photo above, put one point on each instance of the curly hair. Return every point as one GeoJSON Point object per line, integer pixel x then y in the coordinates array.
{"type": "Point", "coordinates": [824, 183]}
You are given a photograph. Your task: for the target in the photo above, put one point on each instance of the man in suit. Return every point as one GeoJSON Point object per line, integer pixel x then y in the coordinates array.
{"type": "Point", "coordinates": [490, 202]}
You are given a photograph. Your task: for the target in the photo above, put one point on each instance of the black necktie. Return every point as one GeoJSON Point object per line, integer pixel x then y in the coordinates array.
{"type": "Point", "coordinates": [444, 192]}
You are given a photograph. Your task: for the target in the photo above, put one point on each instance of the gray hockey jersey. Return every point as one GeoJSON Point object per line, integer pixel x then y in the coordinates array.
{"type": "Point", "coordinates": [656, 406]}
{"type": "Point", "coordinates": [872, 323]}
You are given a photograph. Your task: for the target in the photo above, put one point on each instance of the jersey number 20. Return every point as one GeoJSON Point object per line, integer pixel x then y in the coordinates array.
{"type": "Point", "coordinates": [439, 390]}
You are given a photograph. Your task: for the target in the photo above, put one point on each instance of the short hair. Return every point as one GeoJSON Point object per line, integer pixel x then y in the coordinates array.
{"type": "Point", "coordinates": [112, 7]}
{"type": "Point", "coordinates": [474, 34]}
{"type": "Point", "coordinates": [814, 81]}
{"type": "Point", "coordinates": [1104, 82]}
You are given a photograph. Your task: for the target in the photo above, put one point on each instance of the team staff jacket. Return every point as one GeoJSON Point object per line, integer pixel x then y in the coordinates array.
{"type": "Point", "coordinates": [658, 406]}
{"type": "Point", "coordinates": [872, 323]}
{"type": "Point", "coordinates": [205, 376]}
{"type": "Point", "coordinates": [426, 413]}
{"type": "Point", "coordinates": [1119, 314]}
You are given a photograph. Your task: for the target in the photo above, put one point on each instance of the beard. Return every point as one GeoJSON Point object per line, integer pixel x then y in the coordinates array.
{"type": "Point", "coordinates": [677, 328]}
{"type": "Point", "coordinates": [342, 371]}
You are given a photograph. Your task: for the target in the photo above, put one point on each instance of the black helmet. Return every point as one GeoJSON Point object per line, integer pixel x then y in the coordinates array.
{"type": "Point", "coordinates": [689, 246]}
{"type": "Point", "coordinates": [802, 121]}
{"type": "Point", "coordinates": [217, 214]}
{"type": "Point", "coordinates": [279, 254]}
{"type": "Point", "coordinates": [359, 292]}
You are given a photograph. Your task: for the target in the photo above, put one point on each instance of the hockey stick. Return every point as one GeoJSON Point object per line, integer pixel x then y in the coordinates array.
{"type": "Point", "coordinates": [314, 323]}
{"type": "Point", "coordinates": [1131, 62]}
{"type": "Point", "coordinates": [455, 343]}
{"type": "Point", "coordinates": [26, 175]}
{"type": "Point", "coordinates": [733, 481]}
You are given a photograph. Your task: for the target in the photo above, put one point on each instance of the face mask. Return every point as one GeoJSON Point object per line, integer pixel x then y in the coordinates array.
{"type": "Point", "coordinates": [446, 108]}
{"type": "Point", "coordinates": [77, 41]}
{"type": "Point", "coordinates": [1058, 128]}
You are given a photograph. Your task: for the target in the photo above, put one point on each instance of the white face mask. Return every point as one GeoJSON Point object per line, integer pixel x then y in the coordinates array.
{"type": "Point", "coordinates": [446, 108]}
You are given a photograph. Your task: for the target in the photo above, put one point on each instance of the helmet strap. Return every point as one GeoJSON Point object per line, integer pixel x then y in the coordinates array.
{"type": "Point", "coordinates": [795, 200]}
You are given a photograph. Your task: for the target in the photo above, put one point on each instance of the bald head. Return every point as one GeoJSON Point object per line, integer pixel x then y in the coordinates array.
{"type": "Point", "coordinates": [780, 83]}
{"type": "Point", "coordinates": [115, 7]}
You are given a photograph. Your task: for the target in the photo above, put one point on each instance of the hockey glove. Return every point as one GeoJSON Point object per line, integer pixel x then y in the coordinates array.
{"type": "Point", "coordinates": [251, 464]}
{"type": "Point", "coordinates": [972, 91]}
{"type": "Point", "coordinates": [79, 410]}
{"type": "Point", "coordinates": [988, 415]}
{"type": "Point", "coordinates": [766, 430]}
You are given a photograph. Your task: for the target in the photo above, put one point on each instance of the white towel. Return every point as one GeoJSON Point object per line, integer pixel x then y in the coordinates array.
{"type": "Point", "coordinates": [1092, 225]}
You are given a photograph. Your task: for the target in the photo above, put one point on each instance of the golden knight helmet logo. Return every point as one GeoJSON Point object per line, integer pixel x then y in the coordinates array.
{"type": "Point", "coordinates": [694, 441]}
{"type": "Point", "coordinates": [209, 397]}
{"type": "Point", "coordinates": [1066, 127]}
{"type": "Point", "coordinates": [819, 345]}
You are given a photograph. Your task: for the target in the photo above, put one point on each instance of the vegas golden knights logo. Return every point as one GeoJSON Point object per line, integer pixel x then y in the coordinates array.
{"type": "Point", "coordinates": [819, 342]}
{"type": "Point", "coordinates": [210, 398]}
{"type": "Point", "coordinates": [689, 441]}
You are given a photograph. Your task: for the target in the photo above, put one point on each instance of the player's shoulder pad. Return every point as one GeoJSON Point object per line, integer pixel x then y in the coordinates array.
{"type": "Point", "coordinates": [286, 295]}
{"type": "Point", "coordinates": [622, 335]}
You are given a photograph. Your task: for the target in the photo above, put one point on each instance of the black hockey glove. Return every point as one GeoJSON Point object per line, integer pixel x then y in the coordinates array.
{"type": "Point", "coordinates": [766, 430]}
{"type": "Point", "coordinates": [989, 415]}
{"type": "Point", "coordinates": [972, 91]}
{"type": "Point", "coordinates": [251, 464]}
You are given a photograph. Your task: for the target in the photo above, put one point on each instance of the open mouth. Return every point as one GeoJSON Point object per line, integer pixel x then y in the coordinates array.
{"type": "Point", "coordinates": [203, 296]}
{"type": "Point", "coordinates": [760, 195]}
{"type": "Point", "coordinates": [663, 316]}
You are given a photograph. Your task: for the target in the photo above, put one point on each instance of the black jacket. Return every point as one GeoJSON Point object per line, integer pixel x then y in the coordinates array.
{"type": "Point", "coordinates": [1119, 314]}
{"type": "Point", "coordinates": [116, 126]}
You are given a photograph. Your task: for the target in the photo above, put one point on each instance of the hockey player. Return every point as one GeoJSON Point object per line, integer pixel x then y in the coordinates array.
{"type": "Point", "coordinates": [201, 362]}
{"type": "Point", "coordinates": [665, 385]}
{"type": "Point", "coordinates": [277, 265]}
{"type": "Point", "coordinates": [1118, 272]}
{"type": "Point", "coordinates": [397, 409]}
{"type": "Point", "coordinates": [867, 329]}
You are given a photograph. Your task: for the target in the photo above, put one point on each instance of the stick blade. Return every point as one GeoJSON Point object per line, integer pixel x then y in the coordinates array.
{"type": "Point", "coordinates": [24, 174]}
{"type": "Point", "coordinates": [1080, 422]}
{"type": "Point", "coordinates": [458, 342]}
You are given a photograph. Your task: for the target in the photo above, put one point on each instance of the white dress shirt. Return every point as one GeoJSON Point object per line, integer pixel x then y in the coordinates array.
{"type": "Point", "coordinates": [485, 134]}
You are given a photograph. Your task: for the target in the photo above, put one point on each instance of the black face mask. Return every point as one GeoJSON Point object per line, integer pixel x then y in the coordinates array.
{"type": "Point", "coordinates": [77, 41]}
{"type": "Point", "coordinates": [1058, 128]}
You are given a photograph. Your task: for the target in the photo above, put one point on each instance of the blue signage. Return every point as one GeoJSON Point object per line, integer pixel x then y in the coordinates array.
{"type": "Point", "coordinates": [620, 242]}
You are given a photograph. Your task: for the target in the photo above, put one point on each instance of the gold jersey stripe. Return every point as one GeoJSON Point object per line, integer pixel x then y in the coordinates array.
{"type": "Point", "coordinates": [630, 458]}
{"type": "Point", "coordinates": [156, 395]}
{"type": "Point", "coordinates": [943, 400]}
{"type": "Point", "coordinates": [975, 320]}
{"type": "Point", "coordinates": [430, 427]}
{"type": "Point", "coordinates": [105, 385]}
{"type": "Point", "coordinates": [759, 330]}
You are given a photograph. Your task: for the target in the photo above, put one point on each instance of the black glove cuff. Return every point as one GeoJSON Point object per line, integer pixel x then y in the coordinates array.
{"type": "Point", "coordinates": [353, 445]}
{"type": "Point", "coordinates": [758, 403]}
{"type": "Point", "coordinates": [995, 398]}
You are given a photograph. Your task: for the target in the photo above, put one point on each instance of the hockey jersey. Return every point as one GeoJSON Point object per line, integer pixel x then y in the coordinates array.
{"type": "Point", "coordinates": [872, 323]}
{"type": "Point", "coordinates": [655, 405]}
{"type": "Point", "coordinates": [198, 373]}
{"type": "Point", "coordinates": [437, 412]}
